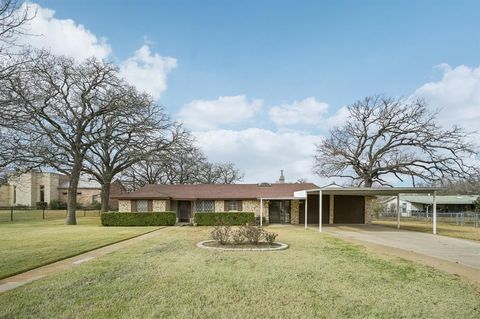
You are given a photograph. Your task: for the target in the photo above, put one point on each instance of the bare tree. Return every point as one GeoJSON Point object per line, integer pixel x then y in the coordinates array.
{"type": "Point", "coordinates": [136, 131]}
{"type": "Point", "coordinates": [393, 137]}
{"type": "Point", "coordinates": [59, 104]}
{"type": "Point", "coordinates": [13, 16]}
{"type": "Point", "coordinates": [184, 163]}
{"type": "Point", "coordinates": [228, 174]}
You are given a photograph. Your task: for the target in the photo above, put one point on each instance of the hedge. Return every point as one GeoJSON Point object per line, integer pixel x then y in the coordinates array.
{"type": "Point", "coordinates": [138, 219]}
{"type": "Point", "coordinates": [227, 218]}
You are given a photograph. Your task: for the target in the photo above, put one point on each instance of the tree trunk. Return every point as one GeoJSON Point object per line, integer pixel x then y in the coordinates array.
{"type": "Point", "coordinates": [105, 195]}
{"type": "Point", "coordinates": [72, 195]}
{"type": "Point", "coordinates": [368, 182]}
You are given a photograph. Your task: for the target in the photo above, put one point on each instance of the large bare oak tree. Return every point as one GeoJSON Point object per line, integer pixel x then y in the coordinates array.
{"type": "Point", "coordinates": [59, 103]}
{"type": "Point", "coordinates": [399, 137]}
{"type": "Point", "coordinates": [138, 130]}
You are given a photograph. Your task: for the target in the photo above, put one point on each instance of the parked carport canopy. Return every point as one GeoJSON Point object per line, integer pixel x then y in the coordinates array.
{"type": "Point", "coordinates": [370, 191]}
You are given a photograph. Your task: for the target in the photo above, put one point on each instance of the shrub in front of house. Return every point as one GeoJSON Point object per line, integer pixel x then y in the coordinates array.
{"type": "Point", "coordinates": [221, 234]}
{"type": "Point", "coordinates": [250, 234]}
{"type": "Point", "coordinates": [56, 204]}
{"type": "Point", "coordinates": [224, 218]}
{"type": "Point", "coordinates": [41, 205]}
{"type": "Point", "coordinates": [138, 219]}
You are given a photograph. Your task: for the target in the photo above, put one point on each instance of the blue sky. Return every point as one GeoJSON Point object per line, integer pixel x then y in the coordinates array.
{"type": "Point", "coordinates": [279, 52]}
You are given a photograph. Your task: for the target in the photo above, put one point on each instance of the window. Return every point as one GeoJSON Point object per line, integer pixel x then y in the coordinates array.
{"type": "Point", "coordinates": [205, 206]}
{"type": "Point", "coordinates": [42, 193]}
{"type": "Point", "coordinates": [142, 206]}
{"type": "Point", "coordinates": [233, 205]}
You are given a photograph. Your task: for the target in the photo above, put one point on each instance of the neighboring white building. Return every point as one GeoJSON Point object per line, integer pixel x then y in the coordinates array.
{"type": "Point", "coordinates": [423, 203]}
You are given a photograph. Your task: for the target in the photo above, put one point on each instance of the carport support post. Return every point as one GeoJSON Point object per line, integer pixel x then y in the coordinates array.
{"type": "Point", "coordinates": [434, 212]}
{"type": "Point", "coordinates": [306, 209]}
{"type": "Point", "coordinates": [261, 212]}
{"type": "Point", "coordinates": [398, 211]}
{"type": "Point", "coordinates": [320, 211]}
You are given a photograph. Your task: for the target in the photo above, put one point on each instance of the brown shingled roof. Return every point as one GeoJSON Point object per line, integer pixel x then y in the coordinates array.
{"type": "Point", "coordinates": [217, 191]}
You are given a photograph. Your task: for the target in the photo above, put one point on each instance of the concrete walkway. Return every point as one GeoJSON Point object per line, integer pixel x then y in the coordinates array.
{"type": "Point", "coordinates": [453, 255]}
{"type": "Point", "coordinates": [41, 272]}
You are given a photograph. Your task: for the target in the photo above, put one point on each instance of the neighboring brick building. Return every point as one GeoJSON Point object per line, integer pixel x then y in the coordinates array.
{"type": "Point", "coordinates": [29, 188]}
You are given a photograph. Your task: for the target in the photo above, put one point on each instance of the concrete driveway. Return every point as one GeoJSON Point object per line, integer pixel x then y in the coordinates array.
{"type": "Point", "coordinates": [458, 251]}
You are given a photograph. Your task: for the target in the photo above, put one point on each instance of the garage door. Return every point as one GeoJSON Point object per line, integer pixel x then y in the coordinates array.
{"type": "Point", "coordinates": [312, 208]}
{"type": "Point", "coordinates": [349, 209]}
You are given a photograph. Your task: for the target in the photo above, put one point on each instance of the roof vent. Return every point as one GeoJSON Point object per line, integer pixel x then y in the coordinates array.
{"type": "Point", "coordinates": [264, 184]}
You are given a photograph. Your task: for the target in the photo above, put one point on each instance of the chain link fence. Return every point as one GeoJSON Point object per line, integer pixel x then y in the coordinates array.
{"type": "Point", "coordinates": [466, 218]}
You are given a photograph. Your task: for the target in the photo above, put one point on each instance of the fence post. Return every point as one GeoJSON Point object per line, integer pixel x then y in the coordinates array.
{"type": "Point", "coordinates": [11, 213]}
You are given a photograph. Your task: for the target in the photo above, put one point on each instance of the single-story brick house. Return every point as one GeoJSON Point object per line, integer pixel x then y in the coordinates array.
{"type": "Point", "coordinates": [282, 203]}
{"type": "Point", "coordinates": [279, 203]}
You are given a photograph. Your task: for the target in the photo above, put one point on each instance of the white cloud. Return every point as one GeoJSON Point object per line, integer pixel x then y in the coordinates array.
{"type": "Point", "coordinates": [145, 69]}
{"type": "Point", "coordinates": [456, 94]}
{"type": "Point", "coordinates": [62, 36]}
{"type": "Point", "coordinates": [148, 71]}
{"type": "Point", "coordinates": [261, 154]}
{"type": "Point", "coordinates": [211, 114]}
{"type": "Point", "coordinates": [308, 111]}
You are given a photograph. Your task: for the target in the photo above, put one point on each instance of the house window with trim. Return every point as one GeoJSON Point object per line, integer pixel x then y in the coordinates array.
{"type": "Point", "coordinates": [142, 206]}
{"type": "Point", "coordinates": [205, 206]}
{"type": "Point", "coordinates": [42, 193]}
{"type": "Point", "coordinates": [233, 205]}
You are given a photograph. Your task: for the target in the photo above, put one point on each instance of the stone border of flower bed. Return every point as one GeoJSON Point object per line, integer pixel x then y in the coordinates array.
{"type": "Point", "coordinates": [281, 247]}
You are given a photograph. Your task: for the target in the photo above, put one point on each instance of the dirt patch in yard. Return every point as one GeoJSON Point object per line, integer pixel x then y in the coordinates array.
{"type": "Point", "coordinates": [469, 273]}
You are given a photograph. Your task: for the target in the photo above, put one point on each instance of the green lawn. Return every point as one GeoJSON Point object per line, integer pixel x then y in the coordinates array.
{"type": "Point", "coordinates": [465, 232]}
{"type": "Point", "coordinates": [29, 244]}
{"type": "Point", "coordinates": [317, 277]}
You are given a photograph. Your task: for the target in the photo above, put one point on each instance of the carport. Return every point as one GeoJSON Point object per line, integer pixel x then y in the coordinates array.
{"type": "Point", "coordinates": [334, 204]}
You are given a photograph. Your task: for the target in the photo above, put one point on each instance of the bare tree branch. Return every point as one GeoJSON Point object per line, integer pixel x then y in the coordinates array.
{"type": "Point", "coordinates": [394, 137]}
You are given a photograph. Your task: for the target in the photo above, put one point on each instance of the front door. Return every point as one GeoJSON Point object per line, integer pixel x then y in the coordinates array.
{"type": "Point", "coordinates": [184, 211]}
{"type": "Point", "coordinates": [279, 212]}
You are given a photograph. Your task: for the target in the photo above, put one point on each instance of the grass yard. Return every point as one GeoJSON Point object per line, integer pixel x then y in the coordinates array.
{"type": "Point", "coordinates": [317, 277]}
{"type": "Point", "coordinates": [465, 232]}
{"type": "Point", "coordinates": [28, 244]}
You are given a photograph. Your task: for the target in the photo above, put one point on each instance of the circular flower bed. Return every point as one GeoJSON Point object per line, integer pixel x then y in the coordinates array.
{"type": "Point", "coordinates": [244, 238]}
{"type": "Point", "coordinates": [213, 244]}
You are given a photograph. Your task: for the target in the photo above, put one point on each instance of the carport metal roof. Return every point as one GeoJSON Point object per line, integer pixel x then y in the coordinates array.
{"type": "Point", "coordinates": [370, 191]}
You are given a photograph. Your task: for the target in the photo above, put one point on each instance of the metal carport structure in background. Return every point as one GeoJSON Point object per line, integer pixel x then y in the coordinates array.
{"type": "Point", "coordinates": [333, 190]}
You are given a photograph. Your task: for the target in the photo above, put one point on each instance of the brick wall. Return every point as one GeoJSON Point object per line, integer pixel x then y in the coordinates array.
{"type": "Point", "coordinates": [295, 212]}
{"type": "Point", "coordinates": [368, 209]}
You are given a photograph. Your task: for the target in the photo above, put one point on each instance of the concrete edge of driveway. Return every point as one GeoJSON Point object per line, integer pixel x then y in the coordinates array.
{"type": "Point", "coordinates": [471, 274]}
{"type": "Point", "coordinates": [25, 277]}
